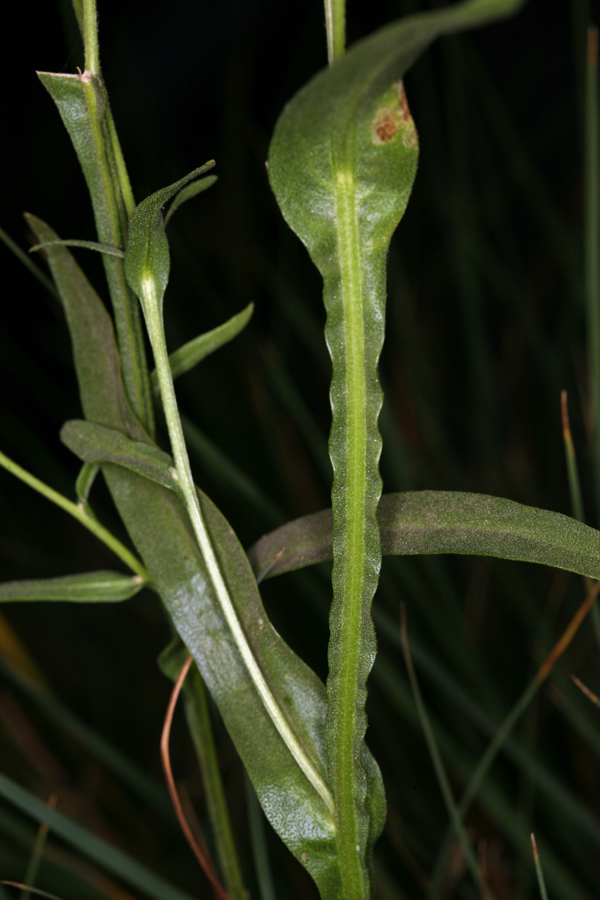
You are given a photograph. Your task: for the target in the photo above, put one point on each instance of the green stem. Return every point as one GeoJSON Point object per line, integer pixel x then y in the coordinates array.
{"type": "Point", "coordinates": [356, 545]}
{"type": "Point", "coordinates": [90, 37]}
{"type": "Point", "coordinates": [335, 23]}
{"type": "Point", "coordinates": [153, 315]}
{"type": "Point", "coordinates": [198, 718]}
{"type": "Point", "coordinates": [78, 513]}
{"type": "Point", "coordinates": [112, 208]}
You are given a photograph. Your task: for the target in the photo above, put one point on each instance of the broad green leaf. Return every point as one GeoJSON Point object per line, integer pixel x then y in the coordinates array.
{"type": "Point", "coordinates": [160, 529]}
{"type": "Point", "coordinates": [444, 522]}
{"type": "Point", "coordinates": [84, 108]}
{"type": "Point", "coordinates": [94, 848]}
{"type": "Point", "coordinates": [188, 192]}
{"type": "Point", "coordinates": [298, 809]}
{"type": "Point", "coordinates": [199, 348]}
{"type": "Point", "coordinates": [341, 164]}
{"type": "Point", "coordinates": [91, 587]}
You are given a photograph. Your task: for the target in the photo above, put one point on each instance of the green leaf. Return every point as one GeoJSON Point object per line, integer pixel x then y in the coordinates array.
{"type": "Point", "coordinates": [188, 356]}
{"type": "Point", "coordinates": [91, 587]}
{"type": "Point", "coordinates": [147, 259]}
{"type": "Point", "coordinates": [341, 163]}
{"type": "Point", "coordinates": [96, 444]}
{"type": "Point", "coordinates": [191, 190]}
{"type": "Point", "coordinates": [444, 522]}
{"type": "Point", "coordinates": [160, 529]}
{"type": "Point", "coordinates": [86, 245]}
{"type": "Point", "coordinates": [96, 357]}
{"type": "Point", "coordinates": [84, 484]}
{"type": "Point", "coordinates": [84, 108]}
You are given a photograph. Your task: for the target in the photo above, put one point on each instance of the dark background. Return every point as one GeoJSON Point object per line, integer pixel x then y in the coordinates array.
{"type": "Point", "coordinates": [486, 327]}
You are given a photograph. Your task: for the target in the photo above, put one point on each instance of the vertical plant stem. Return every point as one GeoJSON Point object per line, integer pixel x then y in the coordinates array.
{"type": "Point", "coordinates": [112, 211]}
{"type": "Point", "coordinates": [90, 37]}
{"type": "Point", "coordinates": [262, 866]}
{"type": "Point", "coordinates": [199, 723]}
{"type": "Point", "coordinates": [335, 22]}
{"type": "Point", "coordinates": [435, 755]}
{"type": "Point", "coordinates": [592, 241]}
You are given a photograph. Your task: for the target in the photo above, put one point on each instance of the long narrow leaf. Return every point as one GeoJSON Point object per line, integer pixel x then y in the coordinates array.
{"type": "Point", "coordinates": [91, 587]}
{"type": "Point", "coordinates": [444, 522]}
{"type": "Point", "coordinates": [84, 108]}
{"type": "Point", "coordinates": [341, 164]}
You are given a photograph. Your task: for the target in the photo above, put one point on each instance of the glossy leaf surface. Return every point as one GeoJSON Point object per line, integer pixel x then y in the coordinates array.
{"type": "Point", "coordinates": [444, 522]}
{"type": "Point", "coordinates": [160, 529]}
{"type": "Point", "coordinates": [91, 587]}
{"type": "Point", "coordinates": [341, 163]}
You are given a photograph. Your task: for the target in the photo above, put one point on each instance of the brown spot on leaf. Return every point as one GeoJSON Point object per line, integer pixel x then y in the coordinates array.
{"type": "Point", "coordinates": [386, 125]}
{"type": "Point", "coordinates": [409, 132]}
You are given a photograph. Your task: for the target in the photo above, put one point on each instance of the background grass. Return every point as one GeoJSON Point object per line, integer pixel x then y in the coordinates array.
{"type": "Point", "coordinates": [486, 327]}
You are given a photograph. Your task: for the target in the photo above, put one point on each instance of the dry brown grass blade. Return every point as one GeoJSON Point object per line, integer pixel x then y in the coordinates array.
{"type": "Point", "coordinates": [567, 636]}
{"type": "Point", "coordinates": [203, 858]}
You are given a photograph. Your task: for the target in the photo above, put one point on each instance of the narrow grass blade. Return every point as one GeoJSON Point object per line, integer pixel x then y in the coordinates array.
{"type": "Point", "coordinates": [586, 691]}
{"type": "Point", "coordinates": [571, 460]}
{"type": "Point", "coordinates": [435, 755]}
{"type": "Point", "coordinates": [575, 491]}
{"type": "Point", "coordinates": [507, 726]}
{"type": "Point", "coordinates": [99, 851]}
{"type": "Point", "coordinates": [199, 722]}
{"type": "Point", "coordinates": [538, 870]}
{"type": "Point", "coordinates": [23, 258]}
{"type": "Point", "coordinates": [201, 856]}
{"type": "Point", "coordinates": [37, 854]}
{"type": "Point", "coordinates": [260, 852]}
{"type": "Point", "coordinates": [94, 743]}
